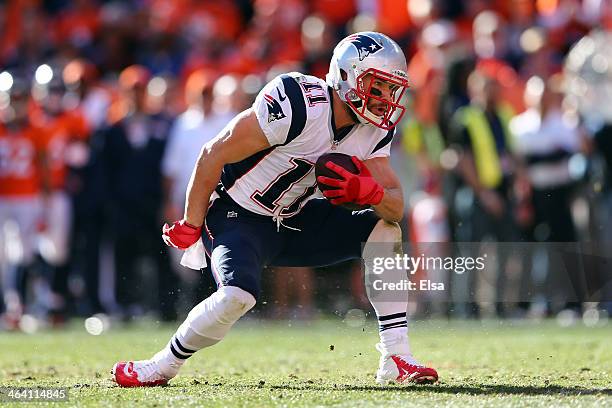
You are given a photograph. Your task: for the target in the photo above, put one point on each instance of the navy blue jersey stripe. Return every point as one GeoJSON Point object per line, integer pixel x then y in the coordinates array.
{"type": "Point", "coordinates": [338, 134]}
{"type": "Point", "coordinates": [298, 108]}
{"type": "Point", "coordinates": [233, 171]}
{"type": "Point", "coordinates": [391, 316]}
{"type": "Point", "coordinates": [385, 140]}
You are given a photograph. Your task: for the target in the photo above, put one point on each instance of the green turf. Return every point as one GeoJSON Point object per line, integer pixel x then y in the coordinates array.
{"type": "Point", "coordinates": [263, 364]}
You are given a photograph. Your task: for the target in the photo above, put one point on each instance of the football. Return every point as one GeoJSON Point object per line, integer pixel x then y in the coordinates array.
{"type": "Point", "coordinates": [343, 160]}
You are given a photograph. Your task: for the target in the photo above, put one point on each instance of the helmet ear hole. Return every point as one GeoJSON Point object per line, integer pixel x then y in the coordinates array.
{"type": "Point", "coordinates": [343, 75]}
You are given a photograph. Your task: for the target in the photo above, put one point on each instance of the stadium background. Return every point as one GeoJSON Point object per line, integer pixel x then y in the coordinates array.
{"type": "Point", "coordinates": [143, 71]}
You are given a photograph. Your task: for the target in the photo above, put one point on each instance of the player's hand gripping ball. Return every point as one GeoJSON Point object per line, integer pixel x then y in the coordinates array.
{"type": "Point", "coordinates": [181, 234]}
{"type": "Point", "coordinates": [346, 181]}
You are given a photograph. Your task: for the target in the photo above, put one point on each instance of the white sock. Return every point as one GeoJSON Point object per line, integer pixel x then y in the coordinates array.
{"type": "Point", "coordinates": [390, 306]}
{"type": "Point", "coordinates": [206, 325]}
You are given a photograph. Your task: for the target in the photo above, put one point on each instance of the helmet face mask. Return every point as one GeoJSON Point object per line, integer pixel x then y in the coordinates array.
{"type": "Point", "coordinates": [361, 63]}
{"type": "Point", "coordinates": [368, 93]}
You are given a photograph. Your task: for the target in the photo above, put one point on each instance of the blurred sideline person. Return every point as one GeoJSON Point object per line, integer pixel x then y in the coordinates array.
{"type": "Point", "coordinates": [252, 200]}
{"type": "Point", "coordinates": [89, 191]}
{"type": "Point", "coordinates": [65, 133]}
{"type": "Point", "coordinates": [548, 136]}
{"type": "Point", "coordinates": [192, 129]}
{"type": "Point", "coordinates": [487, 167]}
{"type": "Point", "coordinates": [603, 142]}
{"type": "Point", "coordinates": [132, 155]}
{"type": "Point", "coordinates": [24, 187]}
{"type": "Point", "coordinates": [454, 95]}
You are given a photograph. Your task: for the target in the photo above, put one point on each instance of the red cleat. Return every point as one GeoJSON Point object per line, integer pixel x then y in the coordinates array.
{"type": "Point", "coordinates": [138, 374]}
{"type": "Point", "coordinates": [415, 373]}
{"type": "Point", "coordinates": [403, 369]}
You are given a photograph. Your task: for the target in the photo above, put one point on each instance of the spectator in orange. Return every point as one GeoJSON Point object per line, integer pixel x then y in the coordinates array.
{"type": "Point", "coordinates": [393, 18]}
{"type": "Point", "coordinates": [78, 24]}
{"type": "Point", "coordinates": [337, 12]}
{"type": "Point", "coordinates": [317, 40]}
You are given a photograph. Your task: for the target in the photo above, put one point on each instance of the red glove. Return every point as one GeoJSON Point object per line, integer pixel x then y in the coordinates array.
{"type": "Point", "coordinates": [359, 188]}
{"type": "Point", "coordinates": [181, 234]}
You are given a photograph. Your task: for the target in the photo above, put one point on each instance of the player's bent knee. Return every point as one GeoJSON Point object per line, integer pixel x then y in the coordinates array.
{"type": "Point", "coordinates": [385, 231]}
{"type": "Point", "coordinates": [234, 302]}
{"type": "Point", "coordinates": [225, 307]}
{"type": "Point", "coordinates": [211, 319]}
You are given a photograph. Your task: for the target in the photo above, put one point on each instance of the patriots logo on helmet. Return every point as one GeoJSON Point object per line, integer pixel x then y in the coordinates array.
{"type": "Point", "coordinates": [275, 112]}
{"type": "Point", "coordinates": [365, 45]}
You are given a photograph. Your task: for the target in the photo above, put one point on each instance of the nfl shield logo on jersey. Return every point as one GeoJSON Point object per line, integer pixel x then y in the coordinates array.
{"type": "Point", "coordinates": [275, 112]}
{"type": "Point", "coordinates": [365, 45]}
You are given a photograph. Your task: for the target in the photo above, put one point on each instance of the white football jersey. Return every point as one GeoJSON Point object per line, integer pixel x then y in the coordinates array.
{"type": "Point", "coordinates": [295, 113]}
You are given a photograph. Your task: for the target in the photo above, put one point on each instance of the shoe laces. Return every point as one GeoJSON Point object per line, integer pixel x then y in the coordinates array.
{"type": "Point", "coordinates": [147, 370]}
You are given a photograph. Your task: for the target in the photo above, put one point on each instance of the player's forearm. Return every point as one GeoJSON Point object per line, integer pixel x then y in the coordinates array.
{"type": "Point", "coordinates": [391, 208]}
{"type": "Point", "coordinates": [203, 182]}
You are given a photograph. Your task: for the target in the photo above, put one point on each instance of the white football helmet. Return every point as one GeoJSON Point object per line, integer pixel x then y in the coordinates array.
{"type": "Point", "coordinates": [375, 54]}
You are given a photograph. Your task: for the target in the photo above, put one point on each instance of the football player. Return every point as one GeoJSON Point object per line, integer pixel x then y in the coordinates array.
{"type": "Point", "coordinates": [24, 185]}
{"type": "Point", "coordinates": [253, 199]}
{"type": "Point", "coordinates": [65, 132]}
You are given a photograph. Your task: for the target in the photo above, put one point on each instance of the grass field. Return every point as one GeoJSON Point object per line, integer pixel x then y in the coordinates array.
{"type": "Point", "coordinates": [489, 363]}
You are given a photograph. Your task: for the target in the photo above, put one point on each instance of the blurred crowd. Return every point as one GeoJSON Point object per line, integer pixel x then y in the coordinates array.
{"type": "Point", "coordinates": [104, 106]}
